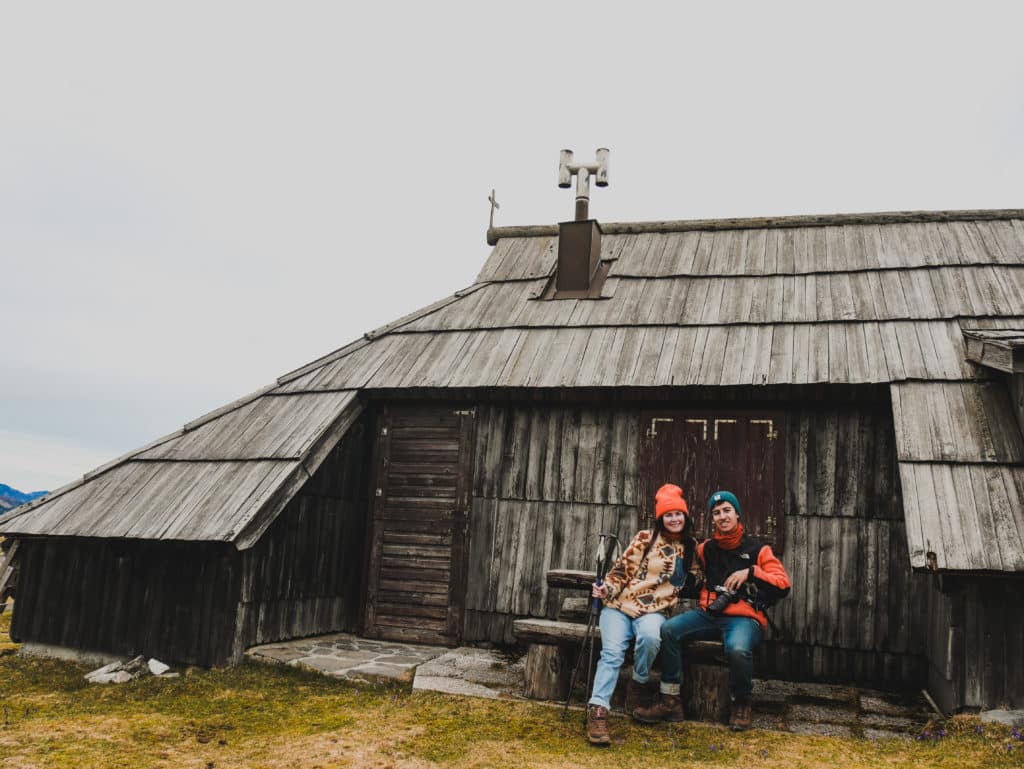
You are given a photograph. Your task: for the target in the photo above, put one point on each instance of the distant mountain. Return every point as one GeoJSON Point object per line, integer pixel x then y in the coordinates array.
{"type": "Point", "coordinates": [12, 497]}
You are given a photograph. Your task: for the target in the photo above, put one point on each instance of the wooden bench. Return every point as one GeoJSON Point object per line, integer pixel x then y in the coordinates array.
{"type": "Point", "coordinates": [552, 651]}
{"type": "Point", "coordinates": [553, 646]}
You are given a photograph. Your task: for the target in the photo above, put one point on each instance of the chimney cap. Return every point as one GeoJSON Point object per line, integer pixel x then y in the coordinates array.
{"type": "Point", "coordinates": [583, 171]}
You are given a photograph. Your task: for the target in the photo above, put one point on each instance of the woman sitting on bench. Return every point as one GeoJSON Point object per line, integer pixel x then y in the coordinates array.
{"type": "Point", "coordinates": [638, 591]}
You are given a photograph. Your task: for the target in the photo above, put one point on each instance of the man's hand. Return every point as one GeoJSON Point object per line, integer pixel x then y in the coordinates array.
{"type": "Point", "coordinates": [599, 591]}
{"type": "Point", "coordinates": [735, 580]}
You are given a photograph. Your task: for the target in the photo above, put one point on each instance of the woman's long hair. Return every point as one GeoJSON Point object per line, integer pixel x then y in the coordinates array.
{"type": "Point", "coordinates": [685, 536]}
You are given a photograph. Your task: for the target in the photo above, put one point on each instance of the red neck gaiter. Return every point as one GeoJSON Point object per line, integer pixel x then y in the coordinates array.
{"type": "Point", "coordinates": [729, 541]}
{"type": "Point", "coordinates": [668, 536]}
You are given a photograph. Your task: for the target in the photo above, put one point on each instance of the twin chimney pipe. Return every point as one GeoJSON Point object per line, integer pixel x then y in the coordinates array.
{"type": "Point", "coordinates": [579, 241]}
{"type": "Point", "coordinates": [582, 171]}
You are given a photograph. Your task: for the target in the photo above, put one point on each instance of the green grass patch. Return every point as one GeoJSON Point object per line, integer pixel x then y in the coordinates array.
{"type": "Point", "coordinates": [266, 717]}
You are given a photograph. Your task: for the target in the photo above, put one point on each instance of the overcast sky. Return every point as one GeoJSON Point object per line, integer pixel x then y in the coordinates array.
{"type": "Point", "coordinates": [198, 197]}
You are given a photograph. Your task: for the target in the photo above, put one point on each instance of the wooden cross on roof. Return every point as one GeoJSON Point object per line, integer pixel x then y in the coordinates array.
{"type": "Point", "coordinates": [494, 204]}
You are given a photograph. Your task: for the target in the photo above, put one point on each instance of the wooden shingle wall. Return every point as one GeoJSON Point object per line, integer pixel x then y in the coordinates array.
{"type": "Point", "coordinates": [204, 603]}
{"type": "Point", "coordinates": [961, 459]}
{"type": "Point", "coordinates": [170, 600]}
{"type": "Point", "coordinates": [548, 478]}
{"type": "Point", "coordinates": [956, 422]}
{"type": "Point", "coordinates": [975, 631]}
{"type": "Point", "coordinates": [852, 613]}
{"type": "Point", "coordinates": [854, 299]}
{"type": "Point", "coordinates": [304, 575]}
{"type": "Point", "coordinates": [546, 481]}
{"type": "Point", "coordinates": [1015, 384]}
{"type": "Point", "coordinates": [965, 517]}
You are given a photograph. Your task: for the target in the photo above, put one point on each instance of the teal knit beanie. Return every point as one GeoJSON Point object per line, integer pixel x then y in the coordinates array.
{"type": "Point", "coordinates": [724, 496]}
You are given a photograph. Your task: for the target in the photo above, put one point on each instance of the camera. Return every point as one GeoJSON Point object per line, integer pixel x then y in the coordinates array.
{"type": "Point", "coordinates": [724, 597]}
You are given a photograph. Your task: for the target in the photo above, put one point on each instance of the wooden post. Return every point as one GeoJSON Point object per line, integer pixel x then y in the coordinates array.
{"type": "Point", "coordinates": [548, 668]}
{"type": "Point", "coordinates": [706, 692]}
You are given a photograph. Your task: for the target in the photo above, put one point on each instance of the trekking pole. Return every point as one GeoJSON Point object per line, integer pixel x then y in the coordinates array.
{"type": "Point", "coordinates": [595, 610]}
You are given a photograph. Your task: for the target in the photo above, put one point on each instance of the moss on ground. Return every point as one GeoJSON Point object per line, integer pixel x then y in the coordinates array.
{"type": "Point", "coordinates": [269, 716]}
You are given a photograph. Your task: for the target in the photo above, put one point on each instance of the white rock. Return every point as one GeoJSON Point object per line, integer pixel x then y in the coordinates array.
{"type": "Point", "coordinates": [136, 666]}
{"type": "Point", "coordinates": [103, 671]}
{"type": "Point", "coordinates": [117, 677]}
{"type": "Point", "coordinates": [157, 668]}
{"type": "Point", "coordinates": [1007, 717]}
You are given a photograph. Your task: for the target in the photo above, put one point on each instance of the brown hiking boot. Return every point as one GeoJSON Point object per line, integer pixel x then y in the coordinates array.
{"type": "Point", "coordinates": [739, 719]}
{"type": "Point", "coordinates": [669, 707]}
{"type": "Point", "coordinates": [638, 695]}
{"type": "Point", "coordinates": [597, 725]}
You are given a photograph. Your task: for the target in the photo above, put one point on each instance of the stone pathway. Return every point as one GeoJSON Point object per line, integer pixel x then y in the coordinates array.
{"type": "Point", "coordinates": [845, 711]}
{"type": "Point", "coordinates": [800, 708]}
{"type": "Point", "coordinates": [348, 656]}
{"type": "Point", "coordinates": [473, 672]}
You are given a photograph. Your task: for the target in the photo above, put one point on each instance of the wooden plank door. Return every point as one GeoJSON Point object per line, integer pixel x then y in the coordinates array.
{"type": "Point", "coordinates": [704, 451]}
{"type": "Point", "coordinates": [416, 584]}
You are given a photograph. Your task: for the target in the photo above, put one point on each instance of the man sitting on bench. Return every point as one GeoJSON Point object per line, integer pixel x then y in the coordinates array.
{"type": "Point", "coordinates": [743, 578]}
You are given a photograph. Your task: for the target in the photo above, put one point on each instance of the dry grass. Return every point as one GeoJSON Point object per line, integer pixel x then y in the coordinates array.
{"type": "Point", "coordinates": [262, 717]}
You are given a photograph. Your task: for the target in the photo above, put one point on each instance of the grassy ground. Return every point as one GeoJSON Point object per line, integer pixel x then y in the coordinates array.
{"type": "Point", "coordinates": [257, 716]}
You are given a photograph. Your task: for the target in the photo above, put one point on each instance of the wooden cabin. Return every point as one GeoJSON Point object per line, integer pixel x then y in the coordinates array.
{"type": "Point", "coordinates": [855, 379]}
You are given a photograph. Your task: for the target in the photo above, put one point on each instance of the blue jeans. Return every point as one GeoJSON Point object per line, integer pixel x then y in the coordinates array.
{"type": "Point", "coordinates": [739, 634]}
{"type": "Point", "coordinates": [617, 630]}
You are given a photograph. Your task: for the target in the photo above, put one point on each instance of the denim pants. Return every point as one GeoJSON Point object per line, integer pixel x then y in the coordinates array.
{"type": "Point", "coordinates": [617, 630]}
{"type": "Point", "coordinates": [739, 634]}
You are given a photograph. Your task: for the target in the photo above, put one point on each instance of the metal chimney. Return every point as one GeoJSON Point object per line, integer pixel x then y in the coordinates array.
{"type": "Point", "coordinates": [579, 241]}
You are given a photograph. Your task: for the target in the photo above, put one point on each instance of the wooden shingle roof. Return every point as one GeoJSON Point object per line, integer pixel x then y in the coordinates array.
{"type": "Point", "coordinates": [846, 299]}
{"type": "Point", "coordinates": [224, 477]}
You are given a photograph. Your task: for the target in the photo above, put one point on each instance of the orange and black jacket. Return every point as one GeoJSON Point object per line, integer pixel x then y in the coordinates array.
{"type": "Point", "coordinates": [767, 574]}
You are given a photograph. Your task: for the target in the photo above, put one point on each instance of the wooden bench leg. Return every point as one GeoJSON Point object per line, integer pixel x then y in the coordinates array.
{"type": "Point", "coordinates": [705, 692]}
{"type": "Point", "coordinates": [548, 667]}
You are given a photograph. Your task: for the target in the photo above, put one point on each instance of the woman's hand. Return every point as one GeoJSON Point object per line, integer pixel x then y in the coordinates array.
{"type": "Point", "coordinates": [735, 580]}
{"type": "Point", "coordinates": [599, 591]}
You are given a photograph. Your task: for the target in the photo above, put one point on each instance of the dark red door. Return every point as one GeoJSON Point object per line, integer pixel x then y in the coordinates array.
{"type": "Point", "coordinates": [706, 451]}
{"type": "Point", "coordinates": [417, 571]}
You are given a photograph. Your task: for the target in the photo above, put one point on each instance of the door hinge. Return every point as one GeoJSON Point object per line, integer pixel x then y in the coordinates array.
{"type": "Point", "coordinates": [652, 431]}
{"type": "Point", "coordinates": [771, 435]}
{"type": "Point", "coordinates": [722, 422]}
{"type": "Point", "coordinates": [704, 426]}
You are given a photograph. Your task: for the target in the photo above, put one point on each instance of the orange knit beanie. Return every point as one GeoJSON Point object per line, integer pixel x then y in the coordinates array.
{"type": "Point", "coordinates": [669, 497]}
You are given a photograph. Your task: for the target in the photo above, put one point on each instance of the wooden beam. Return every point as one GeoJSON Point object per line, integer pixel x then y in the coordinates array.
{"type": "Point", "coordinates": [7, 568]}
{"type": "Point", "coordinates": [494, 234]}
{"type": "Point", "coordinates": [546, 631]}
{"type": "Point", "coordinates": [573, 579]}
{"type": "Point", "coordinates": [1001, 349]}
